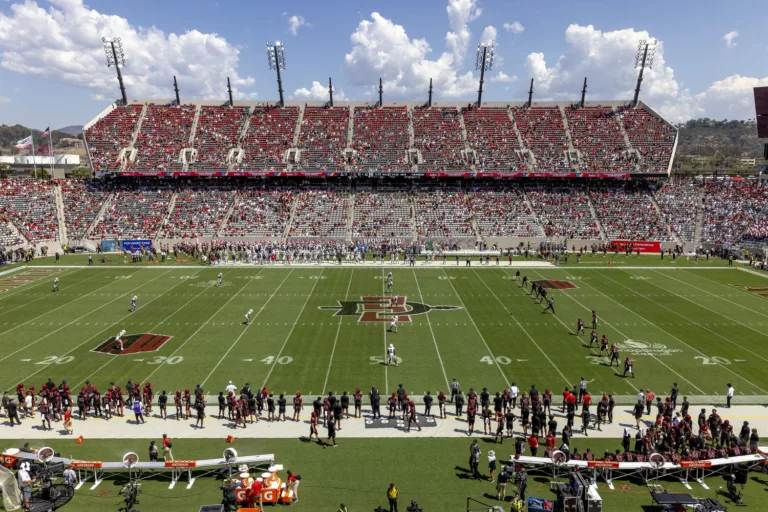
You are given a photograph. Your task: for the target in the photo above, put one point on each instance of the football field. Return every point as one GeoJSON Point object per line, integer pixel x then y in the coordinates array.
{"type": "Point", "coordinates": [322, 328]}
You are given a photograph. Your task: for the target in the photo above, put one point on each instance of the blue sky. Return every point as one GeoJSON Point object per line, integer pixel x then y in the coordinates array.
{"type": "Point", "coordinates": [52, 65]}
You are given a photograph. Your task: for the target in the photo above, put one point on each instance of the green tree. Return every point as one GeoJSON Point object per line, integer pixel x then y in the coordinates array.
{"type": "Point", "coordinates": [81, 172]}
{"type": "Point", "coordinates": [5, 170]}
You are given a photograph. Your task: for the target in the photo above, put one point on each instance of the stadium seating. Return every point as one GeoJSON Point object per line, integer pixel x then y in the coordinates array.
{"type": "Point", "coordinates": [443, 214]}
{"type": "Point", "coordinates": [503, 213]}
{"type": "Point", "coordinates": [629, 214]}
{"type": "Point", "coordinates": [321, 213]}
{"type": "Point", "coordinates": [259, 213]}
{"type": "Point", "coordinates": [323, 138]}
{"type": "Point", "coordinates": [31, 206]}
{"type": "Point", "coordinates": [217, 132]}
{"type": "Point", "coordinates": [133, 214]}
{"type": "Point", "coordinates": [197, 213]}
{"type": "Point", "coordinates": [109, 135]}
{"type": "Point", "coordinates": [437, 134]}
{"type": "Point", "coordinates": [731, 208]}
{"type": "Point", "coordinates": [382, 215]}
{"type": "Point", "coordinates": [679, 202]}
{"type": "Point", "coordinates": [82, 201]}
{"type": "Point", "coordinates": [380, 139]}
{"type": "Point", "coordinates": [491, 133]}
{"type": "Point", "coordinates": [543, 132]}
{"type": "Point", "coordinates": [653, 139]}
{"type": "Point", "coordinates": [164, 133]}
{"type": "Point", "coordinates": [563, 211]}
{"type": "Point", "coordinates": [270, 134]}
{"type": "Point", "coordinates": [7, 236]}
{"type": "Point", "coordinates": [596, 132]}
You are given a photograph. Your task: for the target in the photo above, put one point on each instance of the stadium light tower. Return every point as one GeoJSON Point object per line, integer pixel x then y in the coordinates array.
{"type": "Point", "coordinates": [483, 63]}
{"type": "Point", "coordinates": [276, 58]}
{"type": "Point", "coordinates": [646, 51]}
{"type": "Point", "coordinates": [113, 49]}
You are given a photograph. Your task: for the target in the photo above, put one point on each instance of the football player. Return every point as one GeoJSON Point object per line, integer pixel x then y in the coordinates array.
{"type": "Point", "coordinates": [392, 358]}
{"type": "Point", "coordinates": [119, 340]}
{"type": "Point", "coordinates": [56, 284]}
{"type": "Point", "coordinates": [248, 317]}
{"type": "Point", "coordinates": [133, 303]}
{"type": "Point", "coordinates": [218, 279]}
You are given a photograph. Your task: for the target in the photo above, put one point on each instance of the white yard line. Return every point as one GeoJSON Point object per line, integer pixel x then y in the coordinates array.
{"type": "Point", "coordinates": [152, 329]}
{"type": "Point", "coordinates": [434, 339]}
{"type": "Point", "coordinates": [262, 308]}
{"type": "Point", "coordinates": [76, 319]}
{"type": "Point", "coordinates": [25, 287]}
{"type": "Point", "coordinates": [665, 331]}
{"type": "Point", "coordinates": [431, 265]}
{"type": "Point", "coordinates": [103, 330]}
{"type": "Point", "coordinates": [764, 275]}
{"type": "Point", "coordinates": [295, 322]}
{"type": "Point", "coordinates": [45, 296]}
{"type": "Point", "coordinates": [197, 331]}
{"type": "Point", "coordinates": [384, 325]}
{"type": "Point", "coordinates": [482, 338]}
{"type": "Point", "coordinates": [615, 370]}
{"type": "Point", "coordinates": [336, 339]}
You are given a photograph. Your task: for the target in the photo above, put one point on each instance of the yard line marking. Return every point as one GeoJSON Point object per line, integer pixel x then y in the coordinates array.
{"type": "Point", "coordinates": [338, 330]}
{"type": "Point", "coordinates": [434, 340]}
{"type": "Point", "coordinates": [280, 353]}
{"type": "Point", "coordinates": [482, 338]}
{"type": "Point", "coordinates": [384, 325]}
{"type": "Point", "coordinates": [524, 331]}
{"type": "Point", "coordinates": [198, 330]}
{"type": "Point", "coordinates": [615, 370]}
{"type": "Point", "coordinates": [152, 329]}
{"type": "Point", "coordinates": [73, 321]}
{"type": "Point", "coordinates": [23, 287]}
{"type": "Point", "coordinates": [54, 309]}
{"type": "Point", "coordinates": [763, 275]}
{"type": "Point", "coordinates": [672, 335]}
{"type": "Point", "coordinates": [263, 307]}
{"type": "Point", "coordinates": [103, 330]}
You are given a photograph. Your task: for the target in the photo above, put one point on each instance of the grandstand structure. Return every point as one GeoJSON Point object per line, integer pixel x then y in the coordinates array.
{"type": "Point", "coordinates": [161, 138]}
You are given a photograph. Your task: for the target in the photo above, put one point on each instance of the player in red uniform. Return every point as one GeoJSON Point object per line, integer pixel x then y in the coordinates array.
{"type": "Point", "coordinates": [297, 406]}
{"type": "Point", "coordinates": [580, 327]}
{"type": "Point", "coordinates": [313, 427]}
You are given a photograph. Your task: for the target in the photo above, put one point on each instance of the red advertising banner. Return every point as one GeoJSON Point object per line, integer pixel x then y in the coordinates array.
{"type": "Point", "coordinates": [642, 246]}
{"type": "Point", "coordinates": [605, 464]}
{"type": "Point", "coordinates": [695, 464]}
{"type": "Point", "coordinates": [184, 464]}
{"type": "Point", "coordinates": [86, 464]}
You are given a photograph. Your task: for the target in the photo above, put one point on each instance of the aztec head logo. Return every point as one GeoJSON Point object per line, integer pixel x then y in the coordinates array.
{"type": "Point", "coordinates": [133, 344]}
{"type": "Point", "coordinates": [555, 285]}
{"type": "Point", "coordinates": [383, 309]}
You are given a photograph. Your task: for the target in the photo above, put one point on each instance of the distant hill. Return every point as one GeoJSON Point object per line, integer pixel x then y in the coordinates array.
{"type": "Point", "coordinates": [9, 135]}
{"type": "Point", "coordinates": [74, 130]}
{"type": "Point", "coordinates": [707, 137]}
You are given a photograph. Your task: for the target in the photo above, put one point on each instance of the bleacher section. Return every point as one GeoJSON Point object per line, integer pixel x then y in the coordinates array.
{"type": "Point", "coordinates": [259, 213]}
{"type": "Point", "coordinates": [82, 202]}
{"type": "Point", "coordinates": [323, 138]}
{"type": "Point", "coordinates": [109, 135]}
{"type": "Point", "coordinates": [270, 135]}
{"type": "Point", "coordinates": [217, 132]}
{"type": "Point", "coordinates": [437, 134]}
{"type": "Point", "coordinates": [164, 133]}
{"type": "Point", "coordinates": [679, 201]}
{"type": "Point", "coordinates": [7, 235]}
{"type": "Point", "coordinates": [597, 134]}
{"type": "Point", "coordinates": [731, 209]}
{"type": "Point", "coordinates": [382, 215]}
{"type": "Point", "coordinates": [380, 139]}
{"type": "Point", "coordinates": [563, 211]}
{"type": "Point", "coordinates": [543, 132]}
{"type": "Point", "coordinates": [133, 214]}
{"type": "Point", "coordinates": [321, 214]}
{"type": "Point", "coordinates": [651, 137]}
{"type": "Point", "coordinates": [31, 206]}
{"type": "Point", "coordinates": [443, 214]}
{"type": "Point", "coordinates": [196, 213]}
{"type": "Point", "coordinates": [503, 213]}
{"type": "Point", "coordinates": [628, 214]}
{"type": "Point", "coordinates": [491, 133]}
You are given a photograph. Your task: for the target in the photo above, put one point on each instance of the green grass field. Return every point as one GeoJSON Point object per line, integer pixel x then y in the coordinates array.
{"type": "Point", "coordinates": [699, 327]}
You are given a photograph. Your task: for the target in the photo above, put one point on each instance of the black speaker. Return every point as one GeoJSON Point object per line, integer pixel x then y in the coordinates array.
{"type": "Point", "coordinates": [765, 151]}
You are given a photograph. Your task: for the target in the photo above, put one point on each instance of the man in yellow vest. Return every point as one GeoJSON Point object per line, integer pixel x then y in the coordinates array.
{"type": "Point", "coordinates": [517, 503]}
{"type": "Point", "coordinates": [343, 508]}
{"type": "Point", "coordinates": [393, 495]}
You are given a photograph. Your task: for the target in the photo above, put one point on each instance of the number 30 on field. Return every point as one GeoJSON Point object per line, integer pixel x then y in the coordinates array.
{"type": "Point", "coordinates": [498, 359]}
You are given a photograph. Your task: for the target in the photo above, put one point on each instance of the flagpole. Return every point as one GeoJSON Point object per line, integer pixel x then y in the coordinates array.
{"type": "Point", "coordinates": [34, 163]}
{"type": "Point", "coordinates": [50, 148]}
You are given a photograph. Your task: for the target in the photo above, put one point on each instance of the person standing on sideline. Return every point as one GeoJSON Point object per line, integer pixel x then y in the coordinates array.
{"type": "Point", "coordinates": [137, 411]}
{"type": "Point", "coordinates": [513, 392]}
{"type": "Point", "coordinates": [454, 389]}
{"type": "Point", "coordinates": [492, 464]}
{"type": "Point", "coordinates": [729, 395]}
{"type": "Point", "coordinates": [393, 496]}
{"type": "Point", "coordinates": [90, 260]}
{"type": "Point", "coordinates": [152, 452]}
{"type": "Point", "coordinates": [167, 445]}
{"type": "Point", "coordinates": [474, 459]}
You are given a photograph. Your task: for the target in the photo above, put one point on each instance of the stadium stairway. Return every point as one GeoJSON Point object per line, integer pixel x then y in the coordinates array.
{"type": "Point", "coordinates": [467, 147]}
{"type": "Point", "coordinates": [99, 215]}
{"type": "Point", "coordinates": [135, 135]}
{"type": "Point", "coordinates": [592, 210]}
{"type": "Point", "coordinates": [627, 142]}
{"type": "Point", "coordinates": [675, 236]}
{"type": "Point", "coordinates": [350, 218]}
{"type": "Point", "coordinates": [171, 206]}
{"type": "Point", "coordinates": [524, 151]}
{"type": "Point", "coordinates": [699, 221]}
{"type": "Point", "coordinates": [567, 128]}
{"type": "Point", "coordinates": [294, 207]}
{"type": "Point", "coordinates": [297, 132]}
{"type": "Point", "coordinates": [225, 219]}
{"type": "Point", "coordinates": [60, 213]}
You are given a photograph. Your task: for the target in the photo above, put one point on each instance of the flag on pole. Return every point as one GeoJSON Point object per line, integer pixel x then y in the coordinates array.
{"type": "Point", "coordinates": [43, 149]}
{"type": "Point", "coordinates": [47, 132]}
{"type": "Point", "coordinates": [24, 143]}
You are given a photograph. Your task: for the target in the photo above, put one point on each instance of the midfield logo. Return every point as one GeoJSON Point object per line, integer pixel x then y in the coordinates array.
{"type": "Point", "coordinates": [761, 291]}
{"type": "Point", "coordinates": [383, 309]}
{"type": "Point", "coordinates": [133, 344]}
{"type": "Point", "coordinates": [555, 285]}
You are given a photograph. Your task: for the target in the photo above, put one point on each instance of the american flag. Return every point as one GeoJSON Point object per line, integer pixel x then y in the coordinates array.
{"type": "Point", "coordinates": [47, 132]}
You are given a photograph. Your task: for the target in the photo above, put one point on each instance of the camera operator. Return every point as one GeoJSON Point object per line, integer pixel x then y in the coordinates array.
{"type": "Point", "coordinates": [414, 507]}
{"type": "Point", "coordinates": [229, 495]}
{"type": "Point", "coordinates": [70, 479]}
{"type": "Point", "coordinates": [25, 483]}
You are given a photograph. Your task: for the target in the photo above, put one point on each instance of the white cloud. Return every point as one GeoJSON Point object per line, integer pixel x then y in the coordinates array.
{"type": "Point", "coordinates": [294, 22]}
{"type": "Point", "coordinates": [460, 14]}
{"type": "Point", "coordinates": [5, 99]}
{"type": "Point", "coordinates": [515, 27]}
{"type": "Point", "coordinates": [731, 97]}
{"type": "Point", "coordinates": [730, 39]}
{"type": "Point", "coordinates": [318, 92]}
{"type": "Point", "coordinates": [383, 49]}
{"type": "Point", "coordinates": [62, 43]}
{"type": "Point", "coordinates": [489, 35]}
{"type": "Point", "coordinates": [504, 78]}
{"type": "Point", "coordinates": [97, 97]}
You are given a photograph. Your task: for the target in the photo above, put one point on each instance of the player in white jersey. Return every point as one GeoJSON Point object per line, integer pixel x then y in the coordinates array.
{"type": "Point", "coordinates": [393, 324]}
{"type": "Point", "coordinates": [133, 303]}
{"type": "Point", "coordinates": [389, 285]}
{"type": "Point", "coordinates": [119, 339]}
{"type": "Point", "coordinates": [391, 356]}
{"type": "Point", "coordinates": [248, 316]}
{"type": "Point", "coordinates": [56, 284]}
{"type": "Point", "coordinates": [389, 276]}
{"type": "Point", "coordinates": [218, 279]}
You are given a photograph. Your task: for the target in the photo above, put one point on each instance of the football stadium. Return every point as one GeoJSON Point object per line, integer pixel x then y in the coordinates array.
{"type": "Point", "coordinates": [423, 304]}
